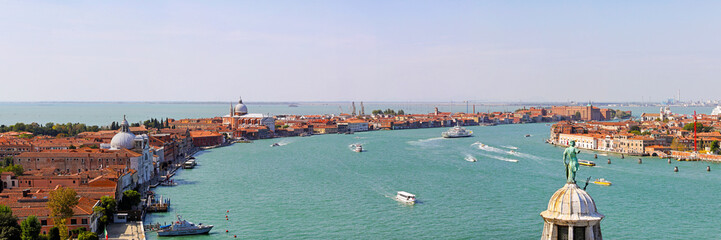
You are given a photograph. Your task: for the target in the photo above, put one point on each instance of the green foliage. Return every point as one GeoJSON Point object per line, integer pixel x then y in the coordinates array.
{"type": "Point", "coordinates": [155, 123]}
{"type": "Point", "coordinates": [78, 231]}
{"type": "Point", "coordinates": [636, 132]}
{"type": "Point", "coordinates": [62, 201]}
{"type": "Point", "coordinates": [72, 147]}
{"type": "Point", "coordinates": [50, 129]}
{"type": "Point", "coordinates": [577, 115]}
{"type": "Point", "coordinates": [30, 228]}
{"type": "Point", "coordinates": [135, 124]}
{"type": "Point", "coordinates": [87, 236]}
{"type": "Point", "coordinates": [130, 198]}
{"type": "Point", "coordinates": [54, 233]}
{"type": "Point", "coordinates": [7, 161]}
{"type": "Point", "coordinates": [107, 207]}
{"type": "Point", "coordinates": [634, 128]}
{"type": "Point", "coordinates": [714, 146]}
{"type": "Point", "coordinates": [9, 227]}
{"type": "Point", "coordinates": [699, 127]}
{"type": "Point", "coordinates": [401, 112]}
{"type": "Point", "coordinates": [16, 169]}
{"type": "Point", "coordinates": [622, 114]}
{"type": "Point", "coordinates": [377, 112]}
{"type": "Point", "coordinates": [389, 112]}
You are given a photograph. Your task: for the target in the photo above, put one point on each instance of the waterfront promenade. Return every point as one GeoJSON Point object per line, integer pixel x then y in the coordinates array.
{"type": "Point", "coordinates": [132, 230]}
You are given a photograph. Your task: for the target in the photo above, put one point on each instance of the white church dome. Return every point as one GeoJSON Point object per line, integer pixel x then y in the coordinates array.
{"type": "Point", "coordinates": [240, 108]}
{"type": "Point", "coordinates": [571, 203]}
{"type": "Point", "coordinates": [123, 139]}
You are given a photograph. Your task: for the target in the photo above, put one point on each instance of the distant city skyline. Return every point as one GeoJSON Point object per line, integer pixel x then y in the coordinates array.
{"type": "Point", "coordinates": [373, 51]}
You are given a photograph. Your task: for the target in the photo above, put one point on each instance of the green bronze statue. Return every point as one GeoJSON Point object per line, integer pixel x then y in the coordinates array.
{"type": "Point", "coordinates": [571, 162]}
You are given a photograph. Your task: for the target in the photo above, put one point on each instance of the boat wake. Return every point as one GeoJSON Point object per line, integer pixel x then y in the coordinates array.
{"type": "Point", "coordinates": [500, 158]}
{"type": "Point", "coordinates": [421, 142]}
{"type": "Point", "coordinates": [285, 142]}
{"type": "Point", "coordinates": [488, 148]}
{"type": "Point", "coordinates": [510, 147]}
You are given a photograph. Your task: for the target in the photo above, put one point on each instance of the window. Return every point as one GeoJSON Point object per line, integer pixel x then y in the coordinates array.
{"type": "Point", "coordinates": [84, 221]}
{"type": "Point", "coordinates": [73, 221]}
{"type": "Point", "coordinates": [44, 223]}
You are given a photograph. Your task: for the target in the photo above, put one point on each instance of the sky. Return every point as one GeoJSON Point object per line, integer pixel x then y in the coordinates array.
{"type": "Point", "coordinates": [492, 51]}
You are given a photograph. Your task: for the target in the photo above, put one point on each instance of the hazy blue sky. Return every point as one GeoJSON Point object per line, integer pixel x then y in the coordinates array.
{"type": "Point", "coordinates": [359, 50]}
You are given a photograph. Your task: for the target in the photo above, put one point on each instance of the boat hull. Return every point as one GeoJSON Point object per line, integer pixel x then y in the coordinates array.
{"type": "Point", "coordinates": [456, 136]}
{"type": "Point", "coordinates": [184, 232]}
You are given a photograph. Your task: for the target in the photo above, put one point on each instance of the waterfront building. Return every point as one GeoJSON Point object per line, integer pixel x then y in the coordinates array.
{"type": "Point", "coordinates": [353, 125]}
{"type": "Point", "coordinates": [206, 138]}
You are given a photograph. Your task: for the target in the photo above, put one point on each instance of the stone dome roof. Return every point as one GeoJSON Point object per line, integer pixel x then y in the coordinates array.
{"type": "Point", "coordinates": [240, 108]}
{"type": "Point", "coordinates": [571, 203]}
{"type": "Point", "coordinates": [123, 139]}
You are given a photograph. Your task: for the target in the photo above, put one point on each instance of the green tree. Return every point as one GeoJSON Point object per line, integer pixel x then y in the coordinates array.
{"type": "Point", "coordinates": [54, 233]}
{"type": "Point", "coordinates": [714, 146]}
{"type": "Point", "coordinates": [9, 227]}
{"type": "Point", "coordinates": [30, 228]}
{"type": "Point", "coordinates": [87, 236]}
{"type": "Point", "coordinates": [130, 198]}
{"type": "Point", "coordinates": [699, 127]}
{"type": "Point", "coordinates": [577, 115]}
{"type": "Point", "coordinates": [61, 203]}
{"type": "Point", "coordinates": [15, 169]}
{"type": "Point", "coordinates": [377, 112]}
{"type": "Point", "coordinates": [107, 207]}
{"type": "Point", "coordinates": [634, 128]}
{"type": "Point", "coordinates": [401, 112]}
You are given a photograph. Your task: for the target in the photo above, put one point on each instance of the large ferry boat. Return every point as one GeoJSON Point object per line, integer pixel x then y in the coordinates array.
{"type": "Point", "coordinates": [182, 227]}
{"type": "Point", "coordinates": [457, 132]}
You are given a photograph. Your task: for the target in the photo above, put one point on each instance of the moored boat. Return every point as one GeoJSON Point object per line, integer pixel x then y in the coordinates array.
{"type": "Point", "coordinates": [586, 163]}
{"type": "Point", "coordinates": [182, 227]}
{"type": "Point", "coordinates": [405, 197]}
{"type": "Point", "coordinates": [602, 182]}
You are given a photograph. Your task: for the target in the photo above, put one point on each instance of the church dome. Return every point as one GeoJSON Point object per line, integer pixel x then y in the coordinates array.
{"type": "Point", "coordinates": [571, 203]}
{"type": "Point", "coordinates": [123, 139]}
{"type": "Point", "coordinates": [240, 108]}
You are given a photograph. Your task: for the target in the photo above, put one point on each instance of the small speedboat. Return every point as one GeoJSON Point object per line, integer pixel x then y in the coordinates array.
{"type": "Point", "coordinates": [357, 148]}
{"type": "Point", "coordinates": [602, 182]}
{"type": "Point", "coordinates": [586, 163]}
{"type": "Point", "coordinates": [528, 135]}
{"type": "Point", "coordinates": [471, 159]}
{"type": "Point", "coordinates": [406, 197]}
{"type": "Point", "coordinates": [274, 145]}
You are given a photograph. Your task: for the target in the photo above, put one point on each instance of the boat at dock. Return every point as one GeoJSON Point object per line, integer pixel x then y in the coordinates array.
{"type": "Point", "coordinates": [457, 132]}
{"type": "Point", "coordinates": [602, 182]}
{"type": "Point", "coordinates": [182, 227]}
{"type": "Point", "coordinates": [190, 164]}
{"type": "Point", "coordinates": [405, 197]}
{"type": "Point", "coordinates": [586, 163]}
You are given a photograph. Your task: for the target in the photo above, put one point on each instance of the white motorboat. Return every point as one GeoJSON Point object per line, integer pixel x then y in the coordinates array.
{"type": "Point", "coordinates": [358, 148]}
{"type": "Point", "coordinates": [182, 227]}
{"type": "Point", "coordinates": [471, 159]}
{"type": "Point", "coordinates": [274, 145]}
{"type": "Point", "coordinates": [457, 132]}
{"type": "Point", "coordinates": [405, 197]}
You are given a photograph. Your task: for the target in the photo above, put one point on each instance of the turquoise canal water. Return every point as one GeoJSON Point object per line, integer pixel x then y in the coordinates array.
{"type": "Point", "coordinates": [317, 188]}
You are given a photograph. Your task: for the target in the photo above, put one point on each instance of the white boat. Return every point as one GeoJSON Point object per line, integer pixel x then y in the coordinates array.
{"type": "Point", "coordinates": [189, 164]}
{"type": "Point", "coordinates": [471, 159]}
{"type": "Point", "coordinates": [182, 227]}
{"type": "Point", "coordinates": [357, 148]}
{"type": "Point", "coordinates": [457, 132]}
{"type": "Point", "coordinates": [406, 197]}
{"type": "Point", "coordinates": [274, 145]}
